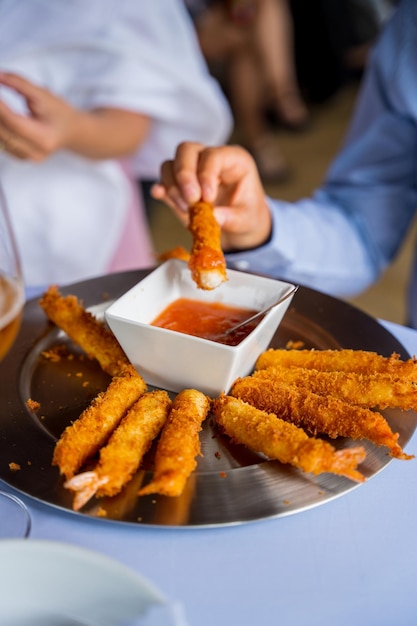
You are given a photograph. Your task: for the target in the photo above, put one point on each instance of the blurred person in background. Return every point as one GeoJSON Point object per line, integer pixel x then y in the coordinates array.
{"type": "Point", "coordinates": [332, 42]}
{"type": "Point", "coordinates": [275, 58]}
{"type": "Point", "coordinates": [342, 238]}
{"type": "Point", "coordinates": [93, 95]}
{"type": "Point", "coordinates": [248, 45]}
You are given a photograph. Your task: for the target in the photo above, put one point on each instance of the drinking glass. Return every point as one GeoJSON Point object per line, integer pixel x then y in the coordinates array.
{"type": "Point", "coordinates": [14, 516]}
{"type": "Point", "coordinates": [15, 520]}
{"type": "Point", "coordinates": [12, 293]}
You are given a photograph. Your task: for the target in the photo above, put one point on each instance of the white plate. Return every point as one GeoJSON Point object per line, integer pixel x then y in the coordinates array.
{"type": "Point", "coordinates": [47, 583]}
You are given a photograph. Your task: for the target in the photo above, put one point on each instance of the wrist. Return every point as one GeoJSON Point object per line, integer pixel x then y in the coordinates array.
{"type": "Point", "coordinates": [258, 232]}
{"type": "Point", "coordinates": [250, 247]}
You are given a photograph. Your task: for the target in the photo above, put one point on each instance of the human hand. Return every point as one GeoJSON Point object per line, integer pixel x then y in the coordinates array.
{"type": "Point", "coordinates": [44, 130]}
{"type": "Point", "coordinates": [226, 177]}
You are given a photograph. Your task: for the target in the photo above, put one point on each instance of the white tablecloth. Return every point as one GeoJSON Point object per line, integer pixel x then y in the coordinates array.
{"type": "Point", "coordinates": [351, 561]}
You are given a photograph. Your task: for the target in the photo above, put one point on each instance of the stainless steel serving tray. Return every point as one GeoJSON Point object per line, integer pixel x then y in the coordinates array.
{"type": "Point", "coordinates": [231, 484]}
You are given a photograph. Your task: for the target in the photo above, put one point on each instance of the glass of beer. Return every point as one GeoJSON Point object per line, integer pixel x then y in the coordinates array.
{"type": "Point", "coordinates": [12, 293]}
{"type": "Point", "coordinates": [14, 516]}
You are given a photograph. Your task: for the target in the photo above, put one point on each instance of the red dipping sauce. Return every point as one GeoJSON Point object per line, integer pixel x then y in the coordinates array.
{"type": "Point", "coordinates": [208, 320]}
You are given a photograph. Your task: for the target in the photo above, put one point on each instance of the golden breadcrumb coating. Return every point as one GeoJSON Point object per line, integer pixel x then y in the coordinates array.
{"type": "Point", "coordinates": [207, 262]}
{"type": "Point", "coordinates": [84, 437]}
{"type": "Point", "coordinates": [317, 414]}
{"type": "Point", "coordinates": [95, 339]}
{"type": "Point", "coordinates": [123, 454]}
{"type": "Point", "coordinates": [266, 433]}
{"type": "Point", "coordinates": [179, 444]}
{"type": "Point", "coordinates": [346, 360]}
{"type": "Point", "coordinates": [372, 390]}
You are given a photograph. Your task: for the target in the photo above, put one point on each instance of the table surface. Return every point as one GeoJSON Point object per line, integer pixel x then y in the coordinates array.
{"type": "Point", "coordinates": [352, 560]}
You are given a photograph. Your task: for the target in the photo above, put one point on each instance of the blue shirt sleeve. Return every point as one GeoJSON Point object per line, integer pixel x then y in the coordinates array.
{"type": "Point", "coordinates": [341, 239]}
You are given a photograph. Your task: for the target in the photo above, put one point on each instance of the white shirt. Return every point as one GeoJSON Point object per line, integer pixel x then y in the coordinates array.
{"type": "Point", "coordinates": [69, 212]}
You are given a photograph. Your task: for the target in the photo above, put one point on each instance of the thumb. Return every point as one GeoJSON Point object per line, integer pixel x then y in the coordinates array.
{"type": "Point", "coordinates": [229, 219]}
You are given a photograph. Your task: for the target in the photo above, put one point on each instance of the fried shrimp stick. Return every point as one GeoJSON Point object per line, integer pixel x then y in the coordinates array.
{"type": "Point", "coordinates": [370, 390]}
{"type": "Point", "coordinates": [84, 329]}
{"type": "Point", "coordinates": [179, 252]}
{"type": "Point", "coordinates": [207, 262]}
{"type": "Point", "coordinates": [266, 433]}
{"type": "Point", "coordinates": [84, 437]}
{"type": "Point", "coordinates": [359, 361]}
{"type": "Point", "coordinates": [179, 444]}
{"type": "Point", "coordinates": [122, 455]}
{"type": "Point", "coordinates": [318, 414]}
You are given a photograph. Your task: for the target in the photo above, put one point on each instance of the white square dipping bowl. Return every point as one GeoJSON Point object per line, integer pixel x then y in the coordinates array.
{"type": "Point", "coordinates": [174, 361]}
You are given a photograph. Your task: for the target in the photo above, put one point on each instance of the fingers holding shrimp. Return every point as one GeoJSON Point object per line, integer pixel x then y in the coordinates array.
{"type": "Point", "coordinates": [179, 186]}
{"type": "Point", "coordinates": [198, 172]}
{"type": "Point", "coordinates": [225, 177]}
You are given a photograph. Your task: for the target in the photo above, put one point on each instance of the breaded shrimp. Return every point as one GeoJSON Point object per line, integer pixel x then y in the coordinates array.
{"type": "Point", "coordinates": [95, 339]}
{"type": "Point", "coordinates": [371, 390]}
{"type": "Point", "coordinates": [84, 437]}
{"type": "Point", "coordinates": [266, 433]}
{"type": "Point", "coordinates": [123, 454]}
{"type": "Point", "coordinates": [207, 262]}
{"type": "Point", "coordinates": [318, 414]}
{"type": "Point", "coordinates": [359, 361]}
{"type": "Point", "coordinates": [179, 252]}
{"type": "Point", "coordinates": [179, 444]}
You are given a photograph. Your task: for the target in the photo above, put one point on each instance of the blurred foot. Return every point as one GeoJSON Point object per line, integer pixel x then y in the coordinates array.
{"type": "Point", "coordinates": [291, 111]}
{"type": "Point", "coordinates": [271, 163]}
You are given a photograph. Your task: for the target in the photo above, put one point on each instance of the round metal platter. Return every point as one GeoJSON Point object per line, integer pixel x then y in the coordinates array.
{"type": "Point", "coordinates": [231, 484]}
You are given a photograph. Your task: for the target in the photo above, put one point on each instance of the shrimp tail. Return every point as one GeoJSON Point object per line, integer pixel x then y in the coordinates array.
{"type": "Point", "coordinates": [85, 486]}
